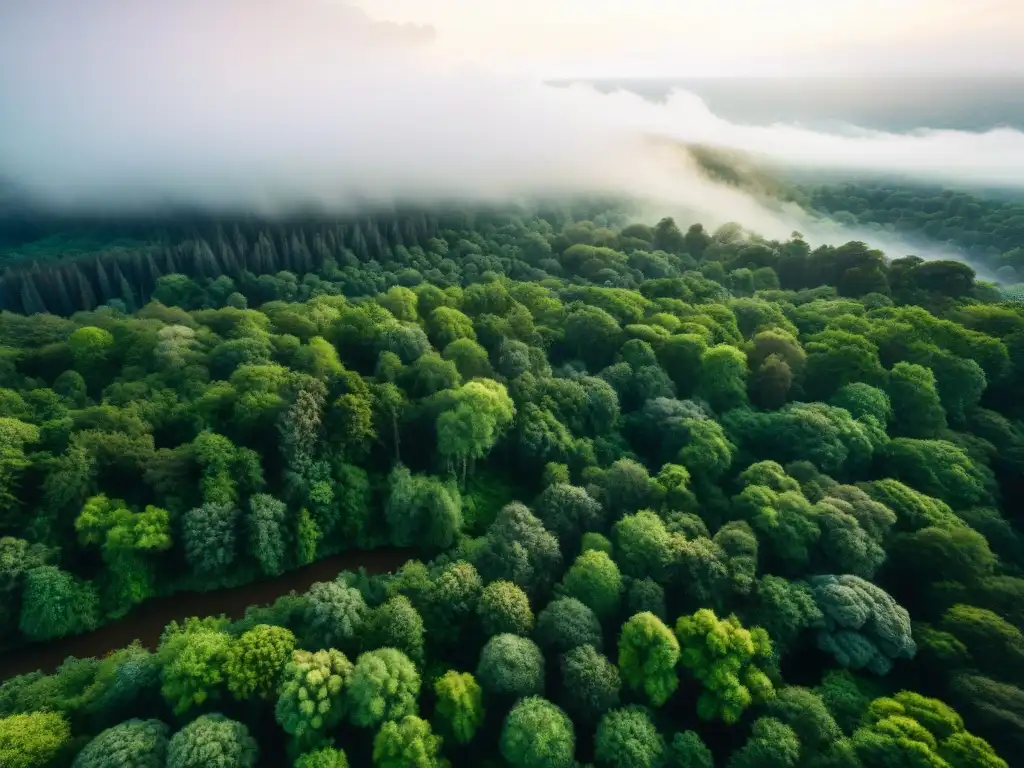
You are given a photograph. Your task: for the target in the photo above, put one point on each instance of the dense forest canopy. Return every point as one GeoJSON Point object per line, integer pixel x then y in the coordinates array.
{"type": "Point", "coordinates": [680, 497]}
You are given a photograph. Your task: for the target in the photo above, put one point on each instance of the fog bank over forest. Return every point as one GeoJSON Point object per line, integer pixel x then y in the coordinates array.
{"type": "Point", "coordinates": [269, 108]}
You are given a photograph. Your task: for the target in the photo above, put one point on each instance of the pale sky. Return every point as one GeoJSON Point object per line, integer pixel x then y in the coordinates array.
{"type": "Point", "coordinates": [723, 37]}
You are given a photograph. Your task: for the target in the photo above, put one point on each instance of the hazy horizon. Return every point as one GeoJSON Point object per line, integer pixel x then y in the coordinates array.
{"type": "Point", "coordinates": [630, 38]}
{"type": "Point", "coordinates": [889, 103]}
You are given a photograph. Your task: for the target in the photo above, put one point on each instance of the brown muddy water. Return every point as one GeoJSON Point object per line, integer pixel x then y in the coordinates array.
{"type": "Point", "coordinates": [147, 621]}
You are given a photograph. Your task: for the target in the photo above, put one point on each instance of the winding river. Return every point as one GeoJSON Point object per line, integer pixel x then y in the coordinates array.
{"type": "Point", "coordinates": [147, 621]}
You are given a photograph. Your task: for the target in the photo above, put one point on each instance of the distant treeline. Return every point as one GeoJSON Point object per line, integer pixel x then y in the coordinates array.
{"type": "Point", "coordinates": [51, 282]}
{"type": "Point", "coordinates": [986, 226]}
{"type": "Point", "coordinates": [989, 230]}
{"type": "Point", "coordinates": [212, 263]}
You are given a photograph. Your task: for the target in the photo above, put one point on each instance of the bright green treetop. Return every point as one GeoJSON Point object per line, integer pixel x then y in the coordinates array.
{"type": "Point", "coordinates": [648, 654]}
{"type": "Point", "coordinates": [729, 661]}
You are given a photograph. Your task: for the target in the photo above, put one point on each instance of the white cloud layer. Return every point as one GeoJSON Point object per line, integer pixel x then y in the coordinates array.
{"type": "Point", "coordinates": [264, 106]}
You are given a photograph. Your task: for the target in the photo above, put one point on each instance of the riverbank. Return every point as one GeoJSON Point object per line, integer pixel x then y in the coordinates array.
{"type": "Point", "coordinates": [146, 622]}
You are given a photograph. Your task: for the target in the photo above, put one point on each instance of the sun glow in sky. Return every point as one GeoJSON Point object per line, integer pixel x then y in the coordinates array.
{"type": "Point", "coordinates": [723, 37]}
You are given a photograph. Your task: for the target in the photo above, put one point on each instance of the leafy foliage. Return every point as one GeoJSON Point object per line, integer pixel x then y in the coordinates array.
{"type": "Point", "coordinates": [590, 682]}
{"type": "Point", "coordinates": [384, 686]}
{"type": "Point", "coordinates": [132, 744]}
{"type": "Point", "coordinates": [729, 661]}
{"type": "Point", "coordinates": [255, 661]}
{"type": "Point", "coordinates": [327, 757]}
{"type": "Point", "coordinates": [459, 705]}
{"type": "Point", "coordinates": [864, 627]}
{"type": "Point", "coordinates": [517, 548]}
{"type": "Point", "coordinates": [312, 694]}
{"type": "Point", "coordinates": [195, 664]}
{"type": "Point", "coordinates": [32, 740]}
{"type": "Point", "coordinates": [511, 666]}
{"type": "Point", "coordinates": [210, 537]}
{"type": "Point", "coordinates": [772, 745]}
{"type": "Point", "coordinates": [566, 623]}
{"type": "Point", "coordinates": [334, 615]}
{"type": "Point", "coordinates": [537, 733]}
{"type": "Point", "coordinates": [408, 741]}
{"type": "Point", "coordinates": [396, 624]}
{"type": "Point", "coordinates": [627, 738]}
{"type": "Point", "coordinates": [55, 604]}
{"type": "Point", "coordinates": [687, 750]}
{"type": "Point", "coordinates": [505, 609]}
{"type": "Point", "coordinates": [648, 654]}
{"type": "Point", "coordinates": [212, 741]}
{"type": "Point", "coordinates": [595, 581]}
